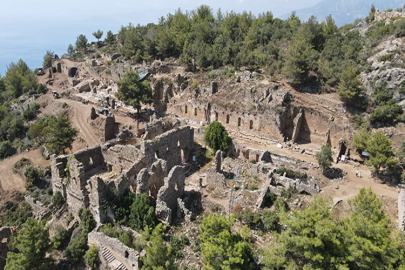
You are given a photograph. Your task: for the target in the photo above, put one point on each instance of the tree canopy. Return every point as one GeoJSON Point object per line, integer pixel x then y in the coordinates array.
{"type": "Point", "coordinates": [55, 131]}
{"type": "Point", "coordinates": [19, 79]}
{"type": "Point", "coordinates": [142, 213]}
{"type": "Point", "coordinates": [350, 88]}
{"type": "Point", "coordinates": [324, 157]}
{"type": "Point", "coordinates": [158, 255]}
{"type": "Point", "coordinates": [133, 92]}
{"type": "Point", "coordinates": [81, 43]}
{"type": "Point", "coordinates": [216, 137]}
{"type": "Point", "coordinates": [221, 247]}
{"type": "Point", "coordinates": [32, 242]}
{"type": "Point", "coordinates": [98, 34]}
{"type": "Point", "coordinates": [315, 240]}
{"type": "Point", "coordinates": [48, 57]}
{"type": "Point", "coordinates": [378, 147]}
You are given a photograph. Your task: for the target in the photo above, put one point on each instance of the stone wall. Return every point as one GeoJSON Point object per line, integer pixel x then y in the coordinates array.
{"type": "Point", "coordinates": [166, 203]}
{"type": "Point", "coordinates": [173, 146]}
{"type": "Point", "coordinates": [98, 191]}
{"type": "Point", "coordinates": [159, 127]}
{"type": "Point", "coordinates": [401, 210]}
{"type": "Point", "coordinates": [125, 255]}
{"type": "Point", "coordinates": [91, 157]}
{"type": "Point", "coordinates": [70, 174]}
{"type": "Point", "coordinates": [271, 156]}
{"type": "Point", "coordinates": [58, 166]}
{"type": "Point", "coordinates": [308, 186]}
{"type": "Point", "coordinates": [76, 192]}
{"type": "Point", "coordinates": [150, 181]}
{"type": "Point", "coordinates": [109, 128]}
{"type": "Point", "coordinates": [127, 179]}
{"type": "Point", "coordinates": [120, 157]}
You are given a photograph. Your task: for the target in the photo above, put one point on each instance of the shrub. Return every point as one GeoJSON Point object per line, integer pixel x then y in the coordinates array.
{"type": "Point", "coordinates": [61, 235]}
{"type": "Point", "coordinates": [324, 157]}
{"type": "Point", "coordinates": [216, 137]}
{"type": "Point", "coordinates": [58, 200]}
{"type": "Point", "coordinates": [280, 205]}
{"type": "Point", "coordinates": [253, 187]}
{"type": "Point", "coordinates": [386, 113]}
{"type": "Point", "coordinates": [177, 246]}
{"type": "Point", "coordinates": [270, 220]}
{"type": "Point", "coordinates": [250, 218]}
{"type": "Point", "coordinates": [386, 57]}
{"type": "Point", "coordinates": [86, 220]}
{"type": "Point", "coordinates": [142, 213]}
{"type": "Point", "coordinates": [20, 163]}
{"type": "Point", "coordinates": [77, 248]}
{"type": "Point", "coordinates": [194, 85]}
{"type": "Point", "coordinates": [33, 174]}
{"type": "Point", "coordinates": [31, 112]}
{"type": "Point", "coordinates": [270, 199]}
{"type": "Point", "coordinates": [91, 257]}
{"type": "Point", "coordinates": [6, 149]}
{"type": "Point", "coordinates": [290, 173]}
{"type": "Point", "coordinates": [287, 193]}
{"type": "Point", "coordinates": [17, 216]}
{"type": "Point", "coordinates": [358, 120]}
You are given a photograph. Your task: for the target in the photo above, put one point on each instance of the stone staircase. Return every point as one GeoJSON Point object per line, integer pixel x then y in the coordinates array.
{"type": "Point", "coordinates": [112, 261]}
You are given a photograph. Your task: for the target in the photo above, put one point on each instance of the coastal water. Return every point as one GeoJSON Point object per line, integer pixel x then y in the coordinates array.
{"type": "Point", "coordinates": [28, 28]}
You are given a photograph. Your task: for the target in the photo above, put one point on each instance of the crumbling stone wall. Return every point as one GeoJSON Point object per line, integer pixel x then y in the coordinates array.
{"type": "Point", "coordinates": [98, 191]}
{"type": "Point", "coordinates": [401, 210]}
{"type": "Point", "coordinates": [270, 156]}
{"type": "Point", "coordinates": [39, 210]}
{"type": "Point", "coordinates": [173, 146]}
{"type": "Point", "coordinates": [58, 167]}
{"type": "Point", "coordinates": [76, 192]}
{"type": "Point", "coordinates": [150, 181]}
{"type": "Point", "coordinates": [166, 203]}
{"type": "Point", "coordinates": [109, 128]}
{"type": "Point", "coordinates": [91, 157]}
{"type": "Point", "coordinates": [71, 172]}
{"type": "Point", "coordinates": [125, 255]}
{"type": "Point", "coordinates": [309, 186]}
{"type": "Point", "coordinates": [127, 179]}
{"type": "Point", "coordinates": [159, 127]}
{"type": "Point", "coordinates": [120, 157]}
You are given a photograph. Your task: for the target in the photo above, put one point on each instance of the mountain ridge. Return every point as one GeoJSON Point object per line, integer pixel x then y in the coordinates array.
{"type": "Point", "coordinates": [344, 11]}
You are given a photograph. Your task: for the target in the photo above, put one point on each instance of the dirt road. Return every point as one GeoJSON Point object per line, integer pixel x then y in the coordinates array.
{"type": "Point", "coordinates": [9, 180]}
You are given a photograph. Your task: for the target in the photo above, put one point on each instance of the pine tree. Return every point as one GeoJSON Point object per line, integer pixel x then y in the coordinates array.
{"type": "Point", "coordinates": [32, 243]}
{"type": "Point", "coordinates": [158, 255]}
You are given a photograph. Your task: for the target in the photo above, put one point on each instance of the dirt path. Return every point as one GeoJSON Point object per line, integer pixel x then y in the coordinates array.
{"type": "Point", "coordinates": [81, 114]}
{"type": "Point", "coordinates": [11, 181]}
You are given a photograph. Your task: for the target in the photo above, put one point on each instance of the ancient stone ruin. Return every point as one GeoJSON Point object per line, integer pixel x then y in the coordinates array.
{"type": "Point", "coordinates": [84, 178]}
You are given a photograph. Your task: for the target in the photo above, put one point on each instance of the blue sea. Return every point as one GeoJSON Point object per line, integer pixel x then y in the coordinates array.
{"type": "Point", "coordinates": [29, 28]}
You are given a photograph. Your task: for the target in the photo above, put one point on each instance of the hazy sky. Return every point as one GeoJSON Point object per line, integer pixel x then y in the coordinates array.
{"type": "Point", "coordinates": [29, 28]}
